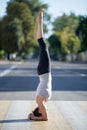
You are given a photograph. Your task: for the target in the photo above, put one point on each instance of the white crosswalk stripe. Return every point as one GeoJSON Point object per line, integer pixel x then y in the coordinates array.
{"type": "Point", "coordinates": [5, 72]}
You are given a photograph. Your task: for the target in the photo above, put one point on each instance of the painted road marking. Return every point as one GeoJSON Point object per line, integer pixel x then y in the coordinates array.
{"type": "Point", "coordinates": [5, 72]}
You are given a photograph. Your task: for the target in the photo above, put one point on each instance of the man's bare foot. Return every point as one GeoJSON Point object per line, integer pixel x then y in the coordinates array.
{"type": "Point", "coordinates": [39, 18]}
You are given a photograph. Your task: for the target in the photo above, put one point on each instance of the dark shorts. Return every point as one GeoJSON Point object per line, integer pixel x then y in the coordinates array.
{"type": "Point", "coordinates": [44, 58]}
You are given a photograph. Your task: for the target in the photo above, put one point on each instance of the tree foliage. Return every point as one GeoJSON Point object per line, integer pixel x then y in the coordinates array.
{"type": "Point", "coordinates": [35, 6]}
{"type": "Point", "coordinates": [55, 46]}
{"type": "Point", "coordinates": [81, 32]}
{"type": "Point", "coordinates": [19, 28]}
{"type": "Point", "coordinates": [70, 43]}
{"type": "Point", "coordinates": [61, 22]}
{"type": "Point", "coordinates": [66, 27]}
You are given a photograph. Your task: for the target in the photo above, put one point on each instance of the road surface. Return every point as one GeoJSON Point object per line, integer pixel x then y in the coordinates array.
{"type": "Point", "coordinates": [19, 80]}
{"type": "Point", "coordinates": [67, 109]}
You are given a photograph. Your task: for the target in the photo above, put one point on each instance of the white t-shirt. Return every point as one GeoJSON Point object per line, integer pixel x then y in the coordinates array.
{"type": "Point", "coordinates": [45, 86]}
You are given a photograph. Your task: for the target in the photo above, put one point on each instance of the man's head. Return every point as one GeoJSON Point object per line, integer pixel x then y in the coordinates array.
{"type": "Point", "coordinates": [36, 112]}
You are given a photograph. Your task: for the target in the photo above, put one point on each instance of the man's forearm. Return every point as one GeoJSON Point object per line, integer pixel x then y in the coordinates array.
{"type": "Point", "coordinates": [39, 118]}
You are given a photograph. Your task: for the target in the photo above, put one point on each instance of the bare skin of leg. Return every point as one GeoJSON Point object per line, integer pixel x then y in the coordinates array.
{"type": "Point", "coordinates": [40, 100]}
{"type": "Point", "coordinates": [39, 21]}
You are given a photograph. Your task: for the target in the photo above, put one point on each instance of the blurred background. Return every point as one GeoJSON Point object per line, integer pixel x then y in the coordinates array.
{"type": "Point", "coordinates": [65, 29]}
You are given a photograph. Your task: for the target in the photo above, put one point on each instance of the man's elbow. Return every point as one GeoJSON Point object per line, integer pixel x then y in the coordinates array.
{"type": "Point", "coordinates": [45, 119]}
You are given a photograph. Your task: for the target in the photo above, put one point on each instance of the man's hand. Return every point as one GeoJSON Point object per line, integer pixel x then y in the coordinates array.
{"type": "Point", "coordinates": [31, 116]}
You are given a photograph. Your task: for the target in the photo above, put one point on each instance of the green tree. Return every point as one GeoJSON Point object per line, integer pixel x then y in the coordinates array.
{"type": "Point", "coordinates": [64, 27]}
{"type": "Point", "coordinates": [70, 43]}
{"type": "Point", "coordinates": [60, 23]}
{"type": "Point", "coordinates": [81, 32]}
{"type": "Point", "coordinates": [35, 6]}
{"type": "Point", "coordinates": [0, 34]}
{"type": "Point", "coordinates": [19, 28]}
{"type": "Point", "coordinates": [55, 46]}
{"type": "Point", "coordinates": [9, 43]}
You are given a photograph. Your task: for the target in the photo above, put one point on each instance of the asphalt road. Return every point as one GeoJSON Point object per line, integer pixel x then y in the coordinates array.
{"type": "Point", "coordinates": [19, 80]}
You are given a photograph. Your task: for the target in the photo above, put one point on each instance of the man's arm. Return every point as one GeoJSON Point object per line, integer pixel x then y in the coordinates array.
{"type": "Point", "coordinates": [44, 115]}
{"type": "Point", "coordinates": [35, 118]}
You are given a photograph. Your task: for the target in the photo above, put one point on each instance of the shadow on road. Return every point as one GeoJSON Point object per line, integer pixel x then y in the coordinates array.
{"type": "Point", "coordinates": [14, 120]}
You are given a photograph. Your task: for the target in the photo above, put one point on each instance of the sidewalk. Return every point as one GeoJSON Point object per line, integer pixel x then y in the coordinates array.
{"type": "Point", "coordinates": [8, 62]}
{"type": "Point", "coordinates": [63, 115]}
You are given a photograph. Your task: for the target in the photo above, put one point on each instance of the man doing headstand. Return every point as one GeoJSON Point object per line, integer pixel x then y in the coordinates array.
{"type": "Point", "coordinates": [44, 89]}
